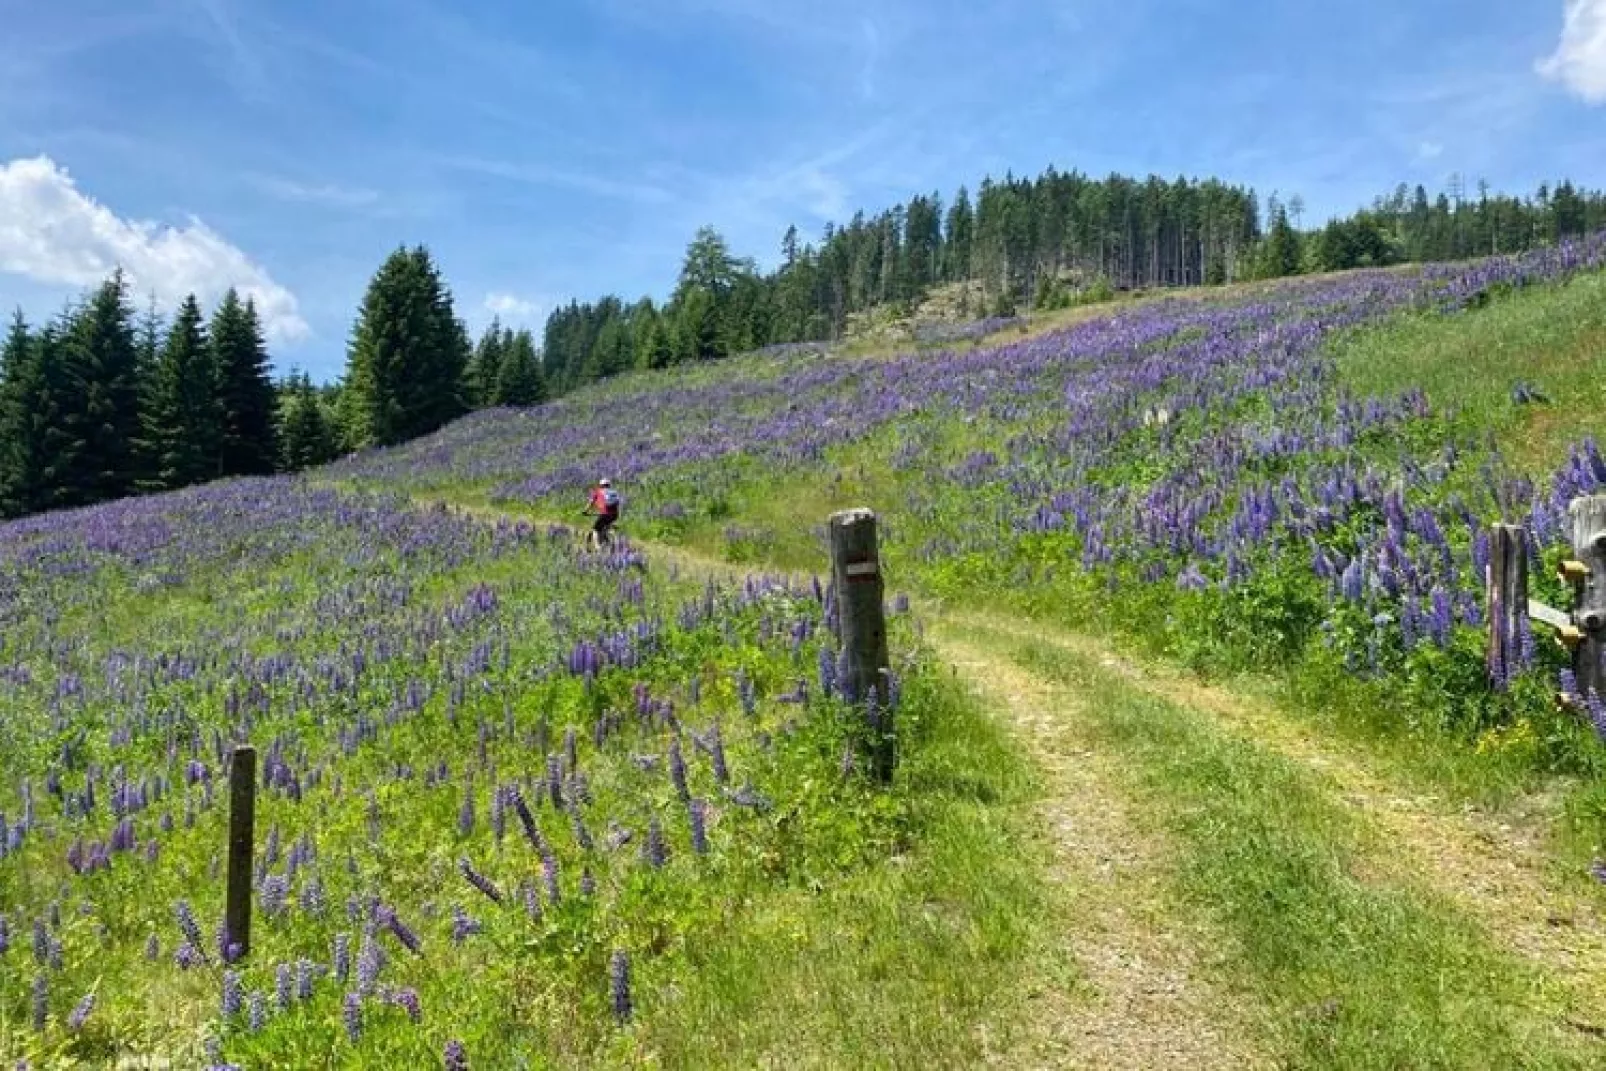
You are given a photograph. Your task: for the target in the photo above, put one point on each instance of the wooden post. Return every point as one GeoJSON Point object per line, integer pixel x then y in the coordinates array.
{"type": "Point", "coordinates": [861, 623]}
{"type": "Point", "coordinates": [1507, 595]}
{"type": "Point", "coordinates": [1589, 611]}
{"type": "Point", "coordinates": [242, 846]}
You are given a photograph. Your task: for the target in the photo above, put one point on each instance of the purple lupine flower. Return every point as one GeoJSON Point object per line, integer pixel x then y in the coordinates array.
{"type": "Point", "coordinates": [284, 986]}
{"type": "Point", "coordinates": [5, 935]}
{"type": "Point", "coordinates": [716, 752]}
{"type": "Point", "coordinates": [554, 779]}
{"type": "Point", "coordinates": [455, 1058]}
{"type": "Point", "coordinates": [351, 1013]}
{"type": "Point", "coordinates": [41, 943]}
{"type": "Point", "coordinates": [402, 932]}
{"type": "Point", "coordinates": [499, 812]}
{"type": "Point", "coordinates": [549, 874]}
{"type": "Point", "coordinates": [582, 835]}
{"type": "Point", "coordinates": [369, 963]}
{"type": "Point", "coordinates": [849, 761]}
{"type": "Point", "coordinates": [233, 994]}
{"type": "Point", "coordinates": [41, 1001]}
{"type": "Point", "coordinates": [619, 984]}
{"type": "Point", "coordinates": [274, 894]}
{"type": "Point", "coordinates": [342, 956]}
{"type": "Point", "coordinates": [463, 925]}
{"type": "Point", "coordinates": [1440, 617]}
{"type": "Point", "coordinates": [677, 770]}
{"type": "Point", "coordinates": [312, 899]}
{"type": "Point", "coordinates": [532, 901]}
{"type": "Point", "coordinates": [746, 693]}
{"type": "Point", "coordinates": [653, 849]}
{"type": "Point", "coordinates": [1597, 712]}
{"type": "Point", "coordinates": [256, 1014]}
{"type": "Point", "coordinates": [407, 1000]}
{"type": "Point", "coordinates": [570, 748]}
{"type": "Point", "coordinates": [1597, 871]}
{"type": "Point", "coordinates": [479, 881]}
{"type": "Point", "coordinates": [697, 810]}
{"type": "Point", "coordinates": [305, 979]}
{"type": "Point", "coordinates": [80, 1014]}
{"type": "Point", "coordinates": [188, 957]}
{"type": "Point", "coordinates": [588, 884]}
{"type": "Point", "coordinates": [532, 832]}
{"type": "Point", "coordinates": [153, 948]}
{"type": "Point", "coordinates": [827, 672]}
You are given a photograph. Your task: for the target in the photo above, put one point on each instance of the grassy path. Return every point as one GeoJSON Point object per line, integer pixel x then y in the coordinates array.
{"type": "Point", "coordinates": [1231, 888]}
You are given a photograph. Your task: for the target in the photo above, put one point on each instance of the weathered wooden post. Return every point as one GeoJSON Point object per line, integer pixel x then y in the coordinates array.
{"type": "Point", "coordinates": [861, 624]}
{"type": "Point", "coordinates": [1507, 599]}
{"type": "Point", "coordinates": [1587, 571]}
{"type": "Point", "coordinates": [242, 845]}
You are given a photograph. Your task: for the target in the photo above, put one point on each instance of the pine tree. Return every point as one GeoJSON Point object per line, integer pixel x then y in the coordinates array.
{"type": "Point", "coordinates": [245, 391]}
{"type": "Point", "coordinates": [183, 415]}
{"type": "Point", "coordinates": [307, 433]}
{"type": "Point", "coordinates": [520, 381]}
{"type": "Point", "coordinates": [407, 356]}
{"type": "Point", "coordinates": [100, 406]}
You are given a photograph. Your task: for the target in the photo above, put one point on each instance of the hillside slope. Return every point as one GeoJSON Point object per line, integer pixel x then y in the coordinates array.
{"type": "Point", "coordinates": [1348, 852]}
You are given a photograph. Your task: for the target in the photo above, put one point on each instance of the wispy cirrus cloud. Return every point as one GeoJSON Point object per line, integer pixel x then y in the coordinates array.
{"type": "Point", "coordinates": [51, 232]}
{"type": "Point", "coordinates": [1579, 61]}
{"type": "Point", "coordinates": [315, 193]}
{"type": "Point", "coordinates": [539, 174]}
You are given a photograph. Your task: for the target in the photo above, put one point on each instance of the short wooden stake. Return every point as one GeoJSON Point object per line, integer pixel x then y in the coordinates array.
{"type": "Point", "coordinates": [242, 846]}
{"type": "Point", "coordinates": [1507, 597]}
{"type": "Point", "coordinates": [1589, 610]}
{"type": "Point", "coordinates": [861, 621]}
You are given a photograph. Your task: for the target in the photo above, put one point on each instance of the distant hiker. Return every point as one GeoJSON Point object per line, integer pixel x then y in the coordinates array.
{"type": "Point", "coordinates": [604, 505]}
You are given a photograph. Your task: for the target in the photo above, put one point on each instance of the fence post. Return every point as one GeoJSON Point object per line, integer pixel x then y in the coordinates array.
{"type": "Point", "coordinates": [242, 846]}
{"type": "Point", "coordinates": [861, 623]}
{"type": "Point", "coordinates": [1507, 595]}
{"type": "Point", "coordinates": [1589, 607]}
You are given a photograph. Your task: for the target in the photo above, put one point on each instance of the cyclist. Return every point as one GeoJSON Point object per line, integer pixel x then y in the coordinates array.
{"type": "Point", "coordinates": [604, 505]}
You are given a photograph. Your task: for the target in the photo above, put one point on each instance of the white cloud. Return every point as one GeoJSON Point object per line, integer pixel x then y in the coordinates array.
{"type": "Point", "coordinates": [511, 306]}
{"type": "Point", "coordinates": [1579, 62]}
{"type": "Point", "coordinates": [52, 233]}
{"type": "Point", "coordinates": [1429, 150]}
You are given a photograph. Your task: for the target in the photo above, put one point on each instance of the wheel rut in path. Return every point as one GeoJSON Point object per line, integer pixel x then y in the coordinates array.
{"type": "Point", "coordinates": [1145, 1000]}
{"type": "Point", "coordinates": [1494, 868]}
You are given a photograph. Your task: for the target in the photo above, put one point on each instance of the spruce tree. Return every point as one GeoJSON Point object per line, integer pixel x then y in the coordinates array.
{"type": "Point", "coordinates": [245, 391]}
{"type": "Point", "coordinates": [100, 407]}
{"type": "Point", "coordinates": [31, 387]}
{"type": "Point", "coordinates": [308, 435]}
{"type": "Point", "coordinates": [480, 378]}
{"type": "Point", "coordinates": [407, 355]}
{"type": "Point", "coordinates": [521, 381]}
{"type": "Point", "coordinates": [183, 415]}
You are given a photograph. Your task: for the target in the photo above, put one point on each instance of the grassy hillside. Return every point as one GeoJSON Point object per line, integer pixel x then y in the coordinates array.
{"type": "Point", "coordinates": [1226, 480]}
{"type": "Point", "coordinates": [1087, 858]}
{"type": "Point", "coordinates": [1289, 478]}
{"type": "Point", "coordinates": [489, 767]}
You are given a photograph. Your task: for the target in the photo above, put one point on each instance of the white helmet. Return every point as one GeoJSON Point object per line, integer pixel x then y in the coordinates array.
{"type": "Point", "coordinates": [604, 483]}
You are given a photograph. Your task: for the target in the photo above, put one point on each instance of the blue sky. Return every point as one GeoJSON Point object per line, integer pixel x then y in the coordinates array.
{"type": "Point", "coordinates": [557, 149]}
